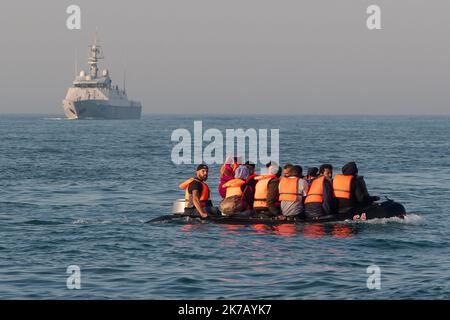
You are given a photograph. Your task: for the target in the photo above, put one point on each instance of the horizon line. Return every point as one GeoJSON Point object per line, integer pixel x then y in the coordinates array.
{"type": "Point", "coordinates": [250, 114]}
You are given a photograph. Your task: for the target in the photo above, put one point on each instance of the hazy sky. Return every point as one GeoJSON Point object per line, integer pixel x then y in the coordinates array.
{"type": "Point", "coordinates": [234, 56]}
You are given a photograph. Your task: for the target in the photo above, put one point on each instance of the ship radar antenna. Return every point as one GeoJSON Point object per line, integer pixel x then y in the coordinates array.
{"type": "Point", "coordinates": [95, 56]}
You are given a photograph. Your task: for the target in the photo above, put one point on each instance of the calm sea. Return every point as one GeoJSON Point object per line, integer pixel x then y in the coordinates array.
{"type": "Point", "coordinates": [79, 193]}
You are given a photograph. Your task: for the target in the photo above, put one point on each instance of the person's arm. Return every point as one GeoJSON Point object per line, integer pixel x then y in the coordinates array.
{"type": "Point", "coordinates": [303, 187]}
{"type": "Point", "coordinates": [197, 203]}
{"type": "Point", "coordinates": [361, 193]}
{"type": "Point", "coordinates": [272, 197]}
{"type": "Point", "coordinates": [222, 189]}
{"type": "Point", "coordinates": [249, 193]}
{"type": "Point", "coordinates": [245, 196]}
{"type": "Point", "coordinates": [196, 188]}
{"type": "Point", "coordinates": [365, 192]}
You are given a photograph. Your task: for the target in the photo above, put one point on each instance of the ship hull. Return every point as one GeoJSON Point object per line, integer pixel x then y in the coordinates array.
{"type": "Point", "coordinates": [101, 110]}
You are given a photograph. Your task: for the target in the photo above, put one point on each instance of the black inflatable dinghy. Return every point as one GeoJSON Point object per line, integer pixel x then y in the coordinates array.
{"type": "Point", "coordinates": [386, 209]}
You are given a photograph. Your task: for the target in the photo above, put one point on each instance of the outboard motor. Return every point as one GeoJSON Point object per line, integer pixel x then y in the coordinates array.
{"type": "Point", "coordinates": [178, 206]}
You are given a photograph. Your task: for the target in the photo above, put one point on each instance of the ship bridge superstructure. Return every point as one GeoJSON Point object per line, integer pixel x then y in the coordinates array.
{"type": "Point", "coordinates": [93, 91]}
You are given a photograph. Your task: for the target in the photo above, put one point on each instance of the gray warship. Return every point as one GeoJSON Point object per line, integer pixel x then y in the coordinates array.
{"type": "Point", "coordinates": [93, 96]}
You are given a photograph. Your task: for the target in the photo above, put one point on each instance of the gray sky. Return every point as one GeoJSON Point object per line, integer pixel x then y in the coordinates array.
{"type": "Point", "coordinates": [234, 56]}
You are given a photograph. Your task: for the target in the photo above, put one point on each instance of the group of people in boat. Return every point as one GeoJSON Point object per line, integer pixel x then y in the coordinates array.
{"type": "Point", "coordinates": [280, 193]}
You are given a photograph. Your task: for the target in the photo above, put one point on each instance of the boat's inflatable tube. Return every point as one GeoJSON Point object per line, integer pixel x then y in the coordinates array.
{"type": "Point", "coordinates": [386, 209]}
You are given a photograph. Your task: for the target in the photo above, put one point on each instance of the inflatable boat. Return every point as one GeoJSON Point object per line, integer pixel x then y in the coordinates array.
{"type": "Point", "coordinates": [386, 209]}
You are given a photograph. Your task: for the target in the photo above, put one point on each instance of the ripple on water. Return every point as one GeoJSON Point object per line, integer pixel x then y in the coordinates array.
{"type": "Point", "coordinates": [77, 203]}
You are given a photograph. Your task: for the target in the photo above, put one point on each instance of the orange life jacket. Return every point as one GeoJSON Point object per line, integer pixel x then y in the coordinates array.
{"type": "Point", "coordinates": [288, 189]}
{"type": "Point", "coordinates": [204, 197]}
{"type": "Point", "coordinates": [341, 186]}
{"type": "Point", "coordinates": [315, 193]}
{"type": "Point", "coordinates": [262, 190]}
{"type": "Point", "coordinates": [233, 187]}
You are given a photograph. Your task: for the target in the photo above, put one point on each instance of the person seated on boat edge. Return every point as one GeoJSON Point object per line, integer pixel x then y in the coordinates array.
{"type": "Point", "coordinates": [311, 175]}
{"type": "Point", "coordinates": [234, 202]}
{"type": "Point", "coordinates": [320, 201]}
{"type": "Point", "coordinates": [197, 195]}
{"type": "Point", "coordinates": [292, 190]}
{"type": "Point", "coordinates": [250, 184]}
{"type": "Point", "coordinates": [266, 192]}
{"type": "Point", "coordinates": [227, 173]}
{"type": "Point", "coordinates": [350, 189]}
{"type": "Point", "coordinates": [287, 168]}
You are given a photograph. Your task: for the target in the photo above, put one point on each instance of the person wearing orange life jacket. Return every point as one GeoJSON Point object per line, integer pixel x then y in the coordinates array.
{"type": "Point", "coordinates": [266, 192]}
{"type": "Point", "coordinates": [197, 194]}
{"type": "Point", "coordinates": [319, 200]}
{"type": "Point", "coordinates": [292, 191]}
{"type": "Point", "coordinates": [234, 201]}
{"type": "Point", "coordinates": [350, 189]}
{"type": "Point", "coordinates": [250, 184]}
{"type": "Point", "coordinates": [227, 173]}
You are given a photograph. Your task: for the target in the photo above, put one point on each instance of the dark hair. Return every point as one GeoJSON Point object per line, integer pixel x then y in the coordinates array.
{"type": "Point", "coordinates": [288, 166]}
{"type": "Point", "coordinates": [350, 168]}
{"type": "Point", "coordinates": [297, 171]}
{"type": "Point", "coordinates": [325, 166]}
{"type": "Point", "coordinates": [312, 172]}
{"type": "Point", "coordinates": [201, 167]}
{"type": "Point", "coordinates": [250, 164]}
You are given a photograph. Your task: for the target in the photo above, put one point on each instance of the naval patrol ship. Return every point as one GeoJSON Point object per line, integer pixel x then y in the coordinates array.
{"type": "Point", "coordinates": [93, 96]}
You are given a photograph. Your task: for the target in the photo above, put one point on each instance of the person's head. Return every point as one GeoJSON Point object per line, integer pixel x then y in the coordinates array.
{"type": "Point", "coordinates": [273, 168]}
{"type": "Point", "coordinates": [233, 162]}
{"type": "Point", "coordinates": [287, 169]}
{"type": "Point", "coordinates": [312, 172]}
{"type": "Point", "coordinates": [296, 171]}
{"type": "Point", "coordinates": [326, 170]}
{"type": "Point", "coordinates": [350, 169]}
{"type": "Point", "coordinates": [242, 172]}
{"type": "Point", "coordinates": [229, 160]}
{"type": "Point", "coordinates": [279, 172]}
{"type": "Point", "coordinates": [202, 172]}
{"type": "Point", "coordinates": [251, 167]}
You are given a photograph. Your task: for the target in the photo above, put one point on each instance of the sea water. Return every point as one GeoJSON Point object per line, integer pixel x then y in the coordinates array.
{"type": "Point", "coordinates": [79, 193]}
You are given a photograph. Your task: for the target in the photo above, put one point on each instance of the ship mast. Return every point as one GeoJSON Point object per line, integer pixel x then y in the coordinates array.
{"type": "Point", "coordinates": [96, 55]}
{"type": "Point", "coordinates": [124, 81]}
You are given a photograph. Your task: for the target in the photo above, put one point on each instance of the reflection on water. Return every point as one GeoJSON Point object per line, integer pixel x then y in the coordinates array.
{"type": "Point", "coordinates": [261, 228]}
{"type": "Point", "coordinates": [342, 231]}
{"type": "Point", "coordinates": [285, 230]}
{"type": "Point", "coordinates": [232, 228]}
{"type": "Point", "coordinates": [317, 230]}
{"type": "Point", "coordinates": [186, 228]}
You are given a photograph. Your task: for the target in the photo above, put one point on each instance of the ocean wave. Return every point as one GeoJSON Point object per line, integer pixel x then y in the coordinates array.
{"type": "Point", "coordinates": [42, 222]}
{"type": "Point", "coordinates": [99, 222]}
{"type": "Point", "coordinates": [50, 150]}
{"type": "Point", "coordinates": [409, 219]}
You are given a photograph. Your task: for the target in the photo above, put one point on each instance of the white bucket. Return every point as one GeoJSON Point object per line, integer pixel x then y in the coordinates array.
{"type": "Point", "coordinates": [178, 206]}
